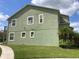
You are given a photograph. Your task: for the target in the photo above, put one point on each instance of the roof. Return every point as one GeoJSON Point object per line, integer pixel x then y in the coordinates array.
{"type": "Point", "coordinates": [64, 15]}
{"type": "Point", "coordinates": [30, 5]}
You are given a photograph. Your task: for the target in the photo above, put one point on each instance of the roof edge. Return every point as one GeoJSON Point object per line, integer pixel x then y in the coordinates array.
{"type": "Point", "coordinates": [27, 6]}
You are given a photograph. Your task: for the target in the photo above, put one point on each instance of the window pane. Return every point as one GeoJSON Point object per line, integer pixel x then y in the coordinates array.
{"type": "Point", "coordinates": [23, 34]}
{"type": "Point", "coordinates": [41, 18]}
{"type": "Point", "coordinates": [32, 34]}
{"type": "Point", "coordinates": [30, 20]}
{"type": "Point", "coordinates": [13, 22]}
{"type": "Point", "coordinates": [11, 36]}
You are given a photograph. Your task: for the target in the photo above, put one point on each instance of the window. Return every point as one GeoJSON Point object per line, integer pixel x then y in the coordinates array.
{"type": "Point", "coordinates": [11, 36]}
{"type": "Point", "coordinates": [32, 34]}
{"type": "Point", "coordinates": [30, 20]}
{"type": "Point", "coordinates": [23, 34]}
{"type": "Point", "coordinates": [41, 18]}
{"type": "Point", "coordinates": [13, 22]}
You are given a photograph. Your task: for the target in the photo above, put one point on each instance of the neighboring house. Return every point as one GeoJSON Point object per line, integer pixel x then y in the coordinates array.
{"type": "Point", "coordinates": [63, 21]}
{"type": "Point", "coordinates": [35, 25]}
{"type": "Point", "coordinates": [2, 36]}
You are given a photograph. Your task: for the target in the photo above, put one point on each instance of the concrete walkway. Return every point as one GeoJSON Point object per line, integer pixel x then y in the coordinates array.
{"type": "Point", "coordinates": [7, 52]}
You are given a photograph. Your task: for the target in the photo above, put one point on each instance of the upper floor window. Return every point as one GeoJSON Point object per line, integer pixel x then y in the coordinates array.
{"type": "Point", "coordinates": [13, 22]}
{"type": "Point", "coordinates": [11, 36]}
{"type": "Point", "coordinates": [41, 18]}
{"type": "Point", "coordinates": [30, 20]}
{"type": "Point", "coordinates": [23, 34]}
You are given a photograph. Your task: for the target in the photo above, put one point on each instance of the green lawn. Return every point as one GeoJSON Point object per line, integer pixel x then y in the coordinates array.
{"type": "Point", "coordinates": [29, 52]}
{"type": "Point", "coordinates": [0, 51]}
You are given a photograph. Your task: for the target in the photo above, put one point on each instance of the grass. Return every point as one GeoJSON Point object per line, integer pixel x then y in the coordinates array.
{"type": "Point", "coordinates": [29, 52]}
{"type": "Point", "coordinates": [0, 51]}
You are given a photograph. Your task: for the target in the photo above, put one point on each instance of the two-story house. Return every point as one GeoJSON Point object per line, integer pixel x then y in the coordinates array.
{"type": "Point", "coordinates": [35, 25]}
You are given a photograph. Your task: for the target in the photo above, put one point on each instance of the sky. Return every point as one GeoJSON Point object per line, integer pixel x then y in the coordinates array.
{"type": "Point", "coordinates": [67, 7]}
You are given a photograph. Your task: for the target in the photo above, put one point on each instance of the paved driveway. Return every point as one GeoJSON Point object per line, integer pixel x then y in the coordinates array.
{"type": "Point", "coordinates": [7, 52]}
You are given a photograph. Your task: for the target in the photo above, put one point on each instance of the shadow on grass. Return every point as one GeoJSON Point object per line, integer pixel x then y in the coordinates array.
{"type": "Point", "coordinates": [70, 46]}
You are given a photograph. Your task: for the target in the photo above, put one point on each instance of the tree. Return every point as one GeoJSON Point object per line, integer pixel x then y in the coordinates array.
{"type": "Point", "coordinates": [65, 34]}
{"type": "Point", "coordinates": [76, 38]}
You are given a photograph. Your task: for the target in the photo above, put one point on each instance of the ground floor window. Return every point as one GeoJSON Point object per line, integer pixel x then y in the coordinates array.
{"type": "Point", "coordinates": [23, 34]}
{"type": "Point", "coordinates": [11, 36]}
{"type": "Point", "coordinates": [32, 34]}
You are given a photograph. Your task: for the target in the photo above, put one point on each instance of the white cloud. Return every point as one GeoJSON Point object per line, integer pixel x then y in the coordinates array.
{"type": "Point", "coordinates": [1, 28]}
{"type": "Point", "coordinates": [76, 29]}
{"type": "Point", "coordinates": [75, 25]}
{"type": "Point", "coordinates": [3, 18]}
{"type": "Point", "coordinates": [71, 10]}
{"type": "Point", "coordinates": [68, 7]}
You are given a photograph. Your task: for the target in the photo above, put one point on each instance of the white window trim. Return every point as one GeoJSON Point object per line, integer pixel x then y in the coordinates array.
{"type": "Point", "coordinates": [25, 34]}
{"type": "Point", "coordinates": [34, 34]}
{"type": "Point", "coordinates": [42, 19]}
{"type": "Point", "coordinates": [15, 23]}
{"type": "Point", "coordinates": [14, 36]}
{"type": "Point", "coordinates": [27, 20]}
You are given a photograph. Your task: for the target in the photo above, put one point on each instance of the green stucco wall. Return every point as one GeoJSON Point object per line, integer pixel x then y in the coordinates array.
{"type": "Point", "coordinates": [46, 34]}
